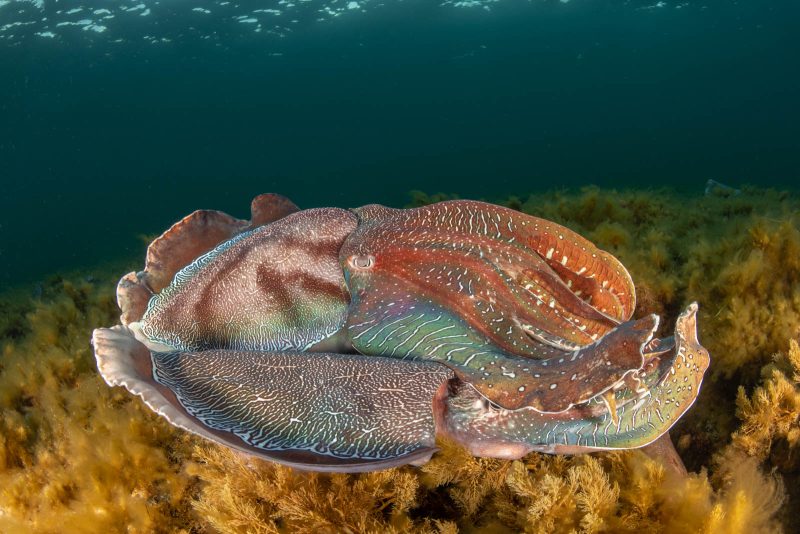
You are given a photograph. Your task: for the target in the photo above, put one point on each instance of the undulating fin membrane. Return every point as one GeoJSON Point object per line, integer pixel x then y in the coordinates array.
{"type": "Point", "coordinates": [277, 287]}
{"type": "Point", "coordinates": [184, 242]}
{"type": "Point", "coordinates": [518, 280]}
{"type": "Point", "coordinates": [388, 319]}
{"type": "Point", "coordinates": [268, 208]}
{"type": "Point", "coordinates": [486, 430]}
{"type": "Point", "coordinates": [316, 411]}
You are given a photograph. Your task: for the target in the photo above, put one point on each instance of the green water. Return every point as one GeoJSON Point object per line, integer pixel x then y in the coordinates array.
{"type": "Point", "coordinates": [108, 135]}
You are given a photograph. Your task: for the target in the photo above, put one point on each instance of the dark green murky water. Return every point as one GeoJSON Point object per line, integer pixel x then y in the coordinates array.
{"type": "Point", "coordinates": [118, 119]}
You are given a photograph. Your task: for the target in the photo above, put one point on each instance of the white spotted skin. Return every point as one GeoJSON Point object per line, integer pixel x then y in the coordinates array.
{"type": "Point", "coordinates": [490, 265]}
{"type": "Point", "coordinates": [391, 315]}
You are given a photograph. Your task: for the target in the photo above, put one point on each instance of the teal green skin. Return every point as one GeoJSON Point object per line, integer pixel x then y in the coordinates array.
{"type": "Point", "coordinates": [400, 324]}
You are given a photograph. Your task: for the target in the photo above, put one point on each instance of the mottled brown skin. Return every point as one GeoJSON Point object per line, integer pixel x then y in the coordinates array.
{"type": "Point", "coordinates": [133, 294]}
{"type": "Point", "coordinates": [268, 208]}
{"type": "Point", "coordinates": [278, 287]}
{"type": "Point", "coordinates": [184, 242]}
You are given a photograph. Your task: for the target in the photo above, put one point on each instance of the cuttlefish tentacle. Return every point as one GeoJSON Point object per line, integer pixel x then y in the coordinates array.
{"type": "Point", "coordinates": [486, 430]}
{"type": "Point", "coordinates": [277, 287]}
{"type": "Point", "coordinates": [389, 321]}
{"type": "Point", "coordinates": [185, 241]}
{"type": "Point", "coordinates": [317, 411]}
{"type": "Point", "coordinates": [506, 273]}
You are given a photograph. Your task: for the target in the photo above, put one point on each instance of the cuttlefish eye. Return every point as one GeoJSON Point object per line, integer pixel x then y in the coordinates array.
{"type": "Point", "coordinates": [362, 262]}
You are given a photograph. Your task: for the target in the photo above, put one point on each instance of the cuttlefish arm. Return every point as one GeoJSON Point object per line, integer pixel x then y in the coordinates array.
{"type": "Point", "coordinates": [674, 381]}
{"type": "Point", "coordinates": [526, 311]}
{"type": "Point", "coordinates": [390, 317]}
{"type": "Point", "coordinates": [314, 411]}
{"type": "Point", "coordinates": [276, 287]}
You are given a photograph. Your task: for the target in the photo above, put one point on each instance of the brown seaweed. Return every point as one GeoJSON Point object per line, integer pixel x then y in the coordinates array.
{"type": "Point", "coordinates": [77, 456]}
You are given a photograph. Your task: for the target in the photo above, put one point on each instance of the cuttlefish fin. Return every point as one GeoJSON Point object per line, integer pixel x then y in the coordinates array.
{"type": "Point", "coordinates": [173, 250]}
{"type": "Point", "coordinates": [316, 411]}
{"type": "Point", "coordinates": [184, 241]}
{"type": "Point", "coordinates": [270, 207]}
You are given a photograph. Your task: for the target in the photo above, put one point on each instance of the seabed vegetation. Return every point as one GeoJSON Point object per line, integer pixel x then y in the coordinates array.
{"type": "Point", "coordinates": [78, 456]}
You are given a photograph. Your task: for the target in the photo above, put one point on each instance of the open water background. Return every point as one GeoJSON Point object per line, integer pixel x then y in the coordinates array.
{"type": "Point", "coordinates": [109, 134]}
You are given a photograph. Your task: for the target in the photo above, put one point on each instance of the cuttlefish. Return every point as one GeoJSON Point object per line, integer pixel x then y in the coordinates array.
{"type": "Point", "coordinates": [348, 340]}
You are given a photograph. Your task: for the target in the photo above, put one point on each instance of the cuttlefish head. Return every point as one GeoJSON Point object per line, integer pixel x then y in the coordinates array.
{"type": "Point", "coordinates": [517, 279]}
{"type": "Point", "coordinates": [517, 305]}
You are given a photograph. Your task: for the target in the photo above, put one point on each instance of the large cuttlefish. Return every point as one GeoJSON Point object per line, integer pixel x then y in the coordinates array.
{"type": "Point", "coordinates": [347, 340]}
